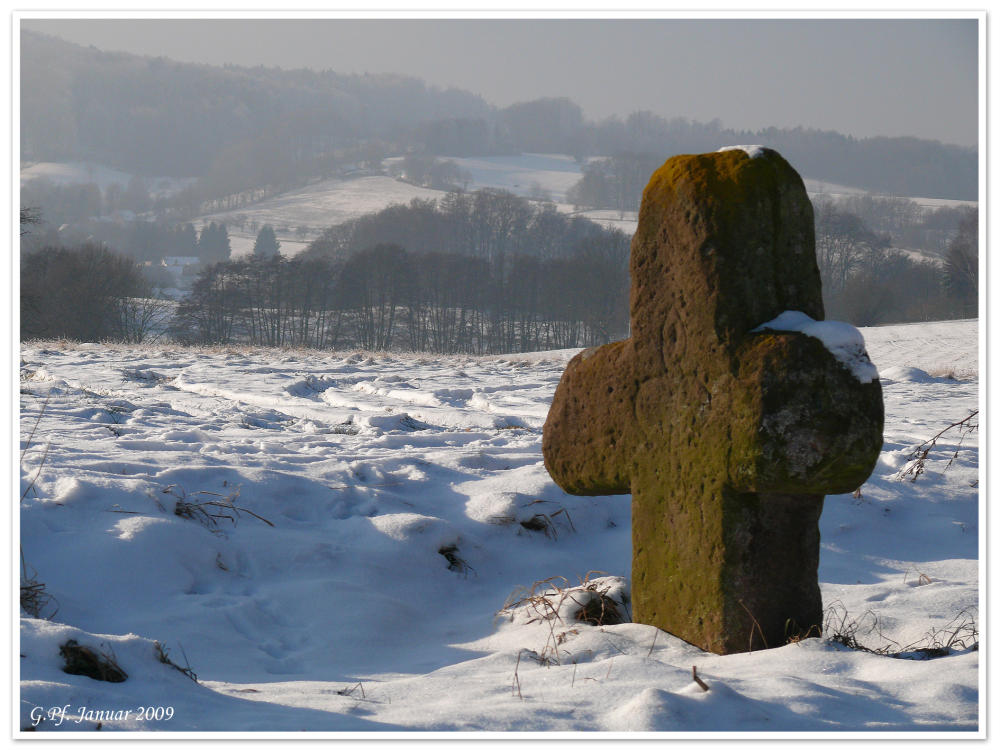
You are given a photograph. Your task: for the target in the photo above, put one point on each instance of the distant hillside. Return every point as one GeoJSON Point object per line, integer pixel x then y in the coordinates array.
{"type": "Point", "coordinates": [154, 116]}
{"type": "Point", "coordinates": [242, 127]}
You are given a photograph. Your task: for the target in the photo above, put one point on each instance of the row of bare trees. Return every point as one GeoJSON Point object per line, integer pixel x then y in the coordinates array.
{"type": "Point", "coordinates": [387, 298]}
{"type": "Point", "coordinates": [87, 293]}
{"type": "Point", "coordinates": [866, 281]}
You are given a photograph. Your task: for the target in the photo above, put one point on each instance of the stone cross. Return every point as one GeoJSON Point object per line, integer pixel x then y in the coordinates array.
{"type": "Point", "coordinates": [727, 435]}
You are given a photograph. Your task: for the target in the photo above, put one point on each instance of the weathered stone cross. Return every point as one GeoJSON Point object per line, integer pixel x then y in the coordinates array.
{"type": "Point", "coordinates": [728, 438]}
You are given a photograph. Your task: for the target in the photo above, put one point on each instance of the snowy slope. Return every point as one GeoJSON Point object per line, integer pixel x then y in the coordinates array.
{"type": "Point", "coordinates": [314, 208]}
{"type": "Point", "coordinates": [817, 188]}
{"type": "Point", "coordinates": [374, 513]}
{"type": "Point", "coordinates": [524, 174]}
{"type": "Point", "coordinates": [333, 202]}
{"type": "Point", "coordinates": [326, 203]}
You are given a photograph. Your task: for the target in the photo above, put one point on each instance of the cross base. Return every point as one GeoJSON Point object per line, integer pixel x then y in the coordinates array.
{"type": "Point", "coordinates": [738, 574]}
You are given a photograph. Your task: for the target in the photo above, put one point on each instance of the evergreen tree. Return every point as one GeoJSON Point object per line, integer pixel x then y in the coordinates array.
{"type": "Point", "coordinates": [213, 245]}
{"type": "Point", "coordinates": [266, 244]}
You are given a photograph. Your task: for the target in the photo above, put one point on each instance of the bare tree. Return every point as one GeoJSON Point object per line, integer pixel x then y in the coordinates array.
{"type": "Point", "coordinates": [29, 217]}
{"type": "Point", "coordinates": [79, 293]}
{"type": "Point", "coordinates": [374, 283]}
{"type": "Point", "coordinates": [843, 241]}
{"type": "Point", "coordinates": [962, 263]}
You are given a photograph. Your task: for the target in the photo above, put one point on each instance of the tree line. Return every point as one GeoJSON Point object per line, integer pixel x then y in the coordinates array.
{"type": "Point", "coordinates": [616, 182]}
{"type": "Point", "coordinates": [481, 273]}
{"type": "Point", "coordinates": [144, 241]}
{"type": "Point", "coordinates": [240, 129]}
{"type": "Point", "coordinates": [87, 293]}
{"type": "Point", "coordinates": [867, 281]}
{"type": "Point", "coordinates": [386, 298]}
{"type": "Point", "coordinates": [489, 224]}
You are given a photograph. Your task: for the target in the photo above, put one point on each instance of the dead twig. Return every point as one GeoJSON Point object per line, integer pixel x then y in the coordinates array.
{"type": "Point", "coordinates": [361, 486]}
{"type": "Point", "coordinates": [163, 656]}
{"type": "Point", "coordinates": [756, 627]}
{"type": "Point", "coordinates": [34, 427]}
{"type": "Point", "coordinates": [653, 644]}
{"type": "Point", "coordinates": [517, 680]}
{"type": "Point", "coordinates": [34, 598]}
{"type": "Point", "coordinates": [350, 690]}
{"type": "Point", "coordinates": [696, 678]}
{"type": "Point", "coordinates": [916, 460]}
{"type": "Point", "coordinates": [31, 484]}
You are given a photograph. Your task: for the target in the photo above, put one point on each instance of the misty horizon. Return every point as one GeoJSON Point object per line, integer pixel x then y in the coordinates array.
{"type": "Point", "coordinates": [861, 78]}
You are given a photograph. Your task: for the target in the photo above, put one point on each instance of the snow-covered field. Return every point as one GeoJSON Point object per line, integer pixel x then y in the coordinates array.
{"type": "Point", "coordinates": [330, 202]}
{"type": "Point", "coordinates": [817, 188]}
{"type": "Point", "coordinates": [529, 175]}
{"type": "Point", "coordinates": [326, 540]}
{"type": "Point", "coordinates": [335, 201]}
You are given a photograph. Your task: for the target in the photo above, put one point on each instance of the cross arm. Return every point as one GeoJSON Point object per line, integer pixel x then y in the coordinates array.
{"type": "Point", "coordinates": [808, 424]}
{"type": "Point", "coordinates": [586, 435]}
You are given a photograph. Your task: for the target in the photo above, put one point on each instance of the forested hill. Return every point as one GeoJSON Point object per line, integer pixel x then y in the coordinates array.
{"type": "Point", "coordinates": [157, 117]}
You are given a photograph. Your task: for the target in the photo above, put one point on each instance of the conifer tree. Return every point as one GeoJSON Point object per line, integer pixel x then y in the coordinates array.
{"type": "Point", "coordinates": [213, 244]}
{"type": "Point", "coordinates": [266, 244]}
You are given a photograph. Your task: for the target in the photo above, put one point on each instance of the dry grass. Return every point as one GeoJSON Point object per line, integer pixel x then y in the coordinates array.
{"type": "Point", "coordinates": [540, 521]}
{"type": "Point", "coordinates": [865, 634]}
{"type": "Point", "coordinates": [557, 604]}
{"type": "Point", "coordinates": [83, 660]}
{"type": "Point", "coordinates": [35, 600]}
{"type": "Point", "coordinates": [163, 656]}
{"type": "Point", "coordinates": [450, 553]}
{"type": "Point", "coordinates": [209, 512]}
{"type": "Point", "coordinates": [28, 443]}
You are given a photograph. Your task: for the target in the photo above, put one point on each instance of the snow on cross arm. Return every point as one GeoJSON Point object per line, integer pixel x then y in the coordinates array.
{"type": "Point", "coordinates": [842, 340]}
{"type": "Point", "coordinates": [754, 152]}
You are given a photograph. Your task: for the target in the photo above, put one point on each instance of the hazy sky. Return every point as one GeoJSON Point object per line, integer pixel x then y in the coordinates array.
{"type": "Point", "coordinates": [860, 77]}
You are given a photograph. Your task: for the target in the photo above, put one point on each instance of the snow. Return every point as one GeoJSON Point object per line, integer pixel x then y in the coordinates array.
{"type": "Point", "coordinates": [527, 175]}
{"type": "Point", "coordinates": [325, 203]}
{"type": "Point", "coordinates": [376, 518]}
{"type": "Point", "coordinates": [842, 340]}
{"type": "Point", "coordinates": [754, 152]}
{"type": "Point", "coordinates": [314, 208]}
{"type": "Point", "coordinates": [821, 188]}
